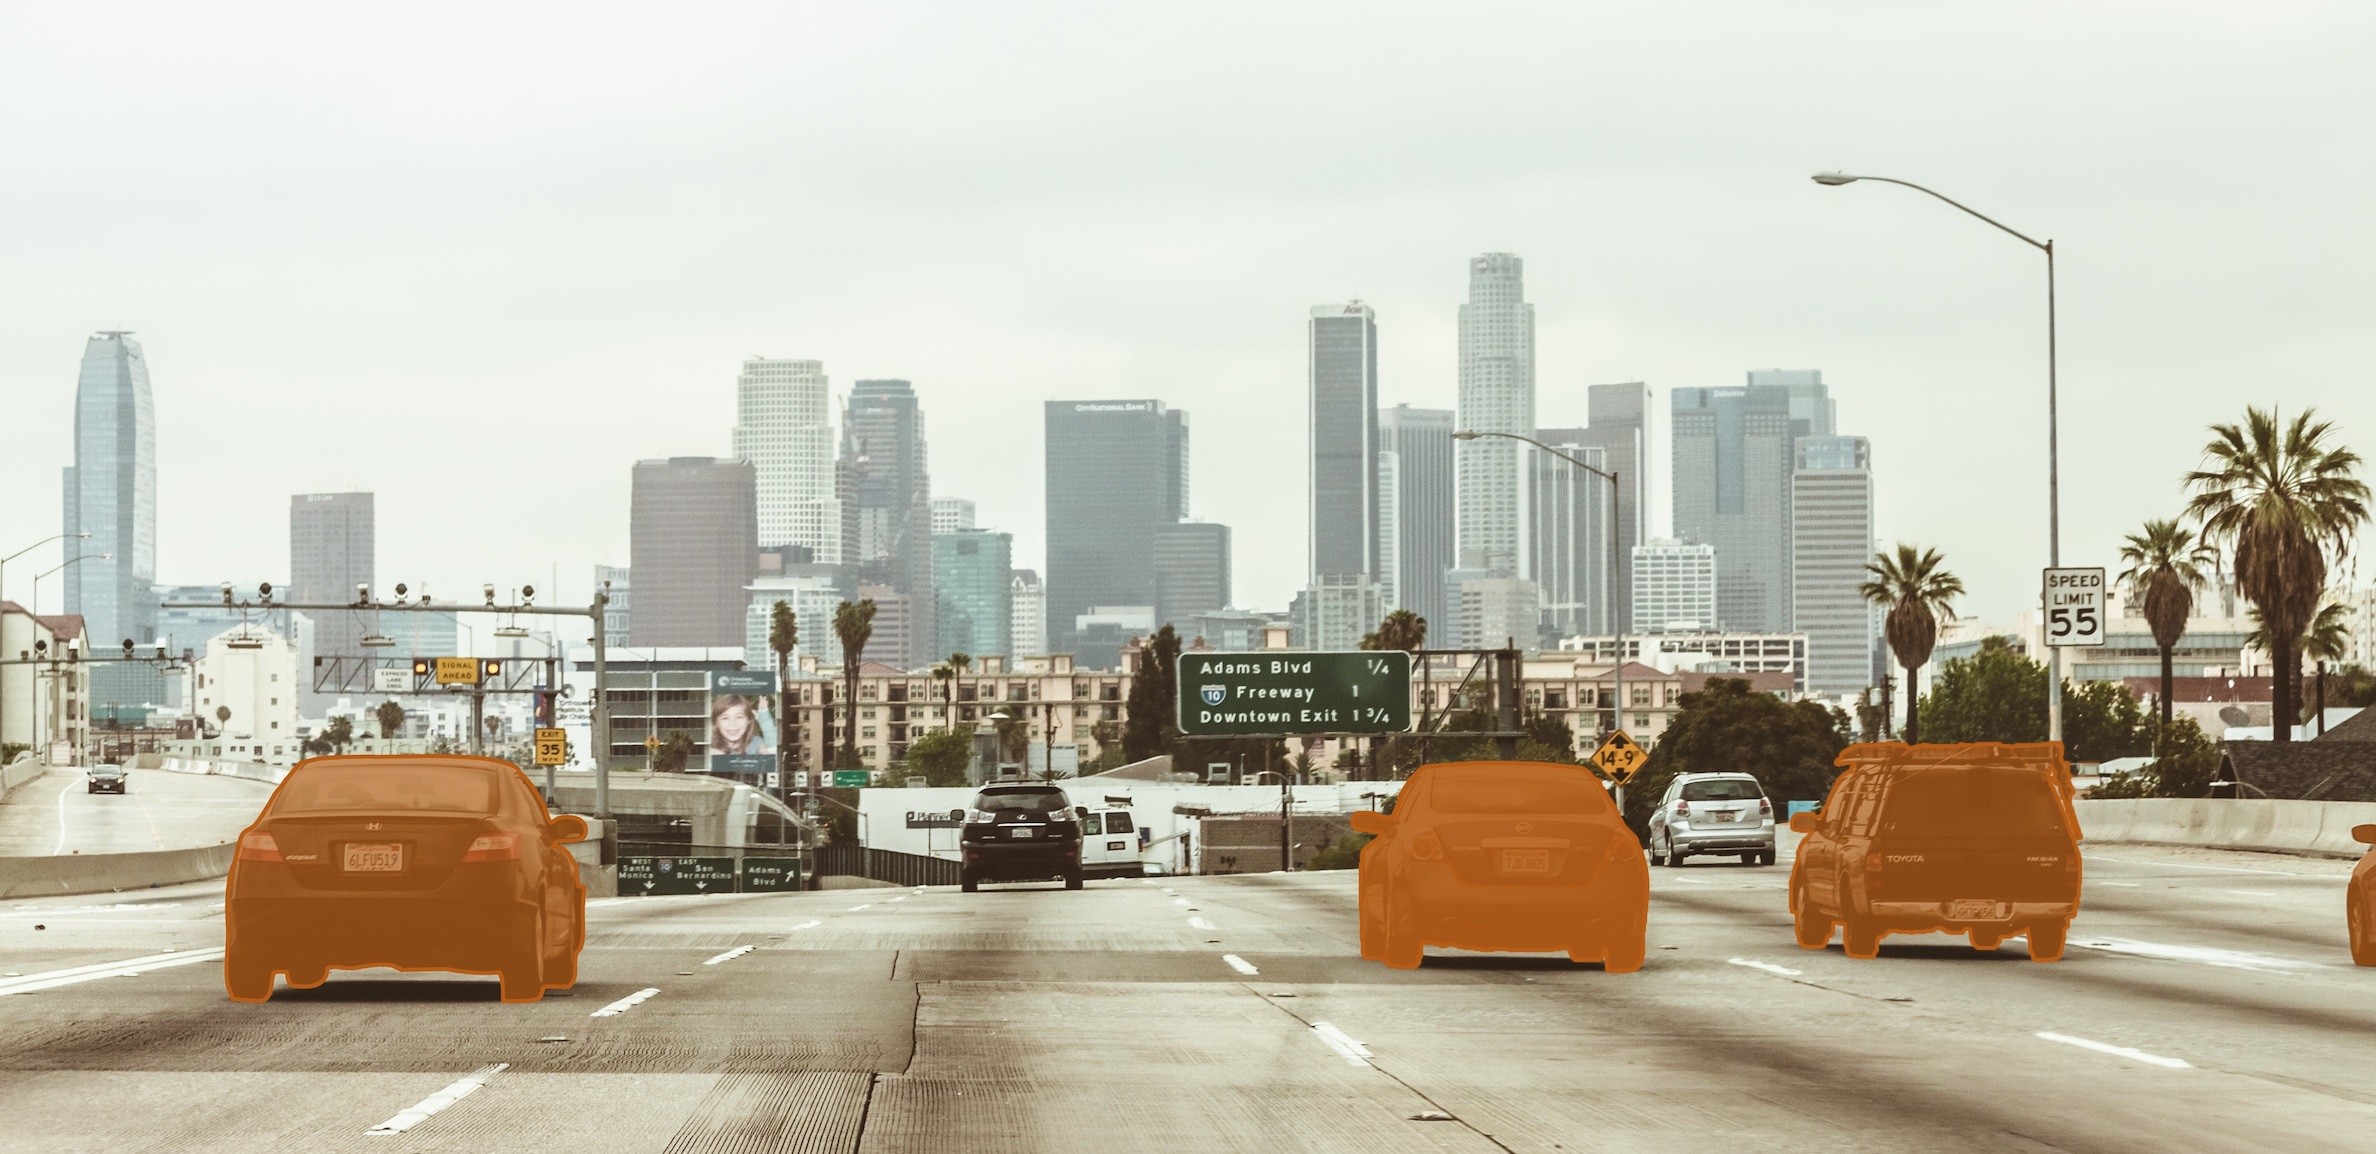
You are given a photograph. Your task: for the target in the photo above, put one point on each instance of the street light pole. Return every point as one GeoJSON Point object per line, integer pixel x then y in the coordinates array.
{"type": "Point", "coordinates": [2054, 711]}
{"type": "Point", "coordinates": [1608, 587]}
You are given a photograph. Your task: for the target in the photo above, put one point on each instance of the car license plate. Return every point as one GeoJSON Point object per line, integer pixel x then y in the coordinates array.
{"type": "Point", "coordinates": [1720, 816]}
{"type": "Point", "coordinates": [1021, 831]}
{"type": "Point", "coordinates": [1972, 911]}
{"type": "Point", "coordinates": [1526, 861]}
{"type": "Point", "coordinates": [368, 858]}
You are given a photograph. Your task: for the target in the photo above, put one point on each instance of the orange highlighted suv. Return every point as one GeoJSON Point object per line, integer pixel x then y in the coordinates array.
{"type": "Point", "coordinates": [1977, 839]}
{"type": "Point", "coordinates": [2359, 901]}
{"type": "Point", "coordinates": [1503, 856]}
{"type": "Point", "coordinates": [416, 863]}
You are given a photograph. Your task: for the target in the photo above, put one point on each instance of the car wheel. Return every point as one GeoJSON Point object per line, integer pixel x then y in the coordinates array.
{"type": "Point", "coordinates": [1860, 938]}
{"type": "Point", "coordinates": [2363, 934]}
{"type": "Point", "coordinates": [245, 978]}
{"type": "Point", "coordinates": [560, 963]}
{"type": "Point", "coordinates": [308, 976]}
{"type": "Point", "coordinates": [522, 973]}
{"type": "Point", "coordinates": [1812, 930]}
{"type": "Point", "coordinates": [1403, 950]}
{"type": "Point", "coordinates": [1986, 942]}
{"type": "Point", "coordinates": [1373, 934]}
{"type": "Point", "coordinates": [1749, 858]}
{"type": "Point", "coordinates": [2046, 941]}
{"type": "Point", "coordinates": [967, 884]}
{"type": "Point", "coordinates": [1675, 854]}
{"type": "Point", "coordinates": [1072, 881]}
{"type": "Point", "coordinates": [1765, 857]}
{"type": "Point", "coordinates": [1626, 953]}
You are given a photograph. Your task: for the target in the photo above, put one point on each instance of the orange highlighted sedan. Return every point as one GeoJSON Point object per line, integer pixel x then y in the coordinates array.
{"type": "Point", "coordinates": [2359, 909]}
{"type": "Point", "coordinates": [1503, 856]}
{"type": "Point", "coordinates": [1978, 839]}
{"type": "Point", "coordinates": [410, 862]}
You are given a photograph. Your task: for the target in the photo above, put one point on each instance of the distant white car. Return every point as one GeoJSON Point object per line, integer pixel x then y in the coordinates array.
{"type": "Point", "coordinates": [1713, 813]}
{"type": "Point", "coordinates": [1109, 842]}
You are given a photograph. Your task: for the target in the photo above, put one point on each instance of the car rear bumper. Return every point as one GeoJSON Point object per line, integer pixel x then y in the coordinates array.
{"type": "Point", "coordinates": [466, 923]}
{"type": "Point", "coordinates": [1448, 912]}
{"type": "Point", "coordinates": [1699, 840]}
{"type": "Point", "coordinates": [1018, 861]}
{"type": "Point", "coordinates": [1941, 915]}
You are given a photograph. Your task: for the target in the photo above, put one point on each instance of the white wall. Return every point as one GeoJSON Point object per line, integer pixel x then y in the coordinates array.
{"type": "Point", "coordinates": [887, 810]}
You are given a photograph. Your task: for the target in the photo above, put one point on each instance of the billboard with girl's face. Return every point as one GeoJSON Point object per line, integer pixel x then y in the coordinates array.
{"type": "Point", "coordinates": [742, 725]}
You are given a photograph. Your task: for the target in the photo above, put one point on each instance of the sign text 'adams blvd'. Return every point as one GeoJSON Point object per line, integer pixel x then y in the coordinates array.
{"type": "Point", "coordinates": [1234, 694]}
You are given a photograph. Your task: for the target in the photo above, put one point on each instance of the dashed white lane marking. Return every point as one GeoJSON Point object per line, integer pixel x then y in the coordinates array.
{"type": "Point", "coordinates": [2118, 1051]}
{"type": "Point", "coordinates": [1336, 1039]}
{"type": "Point", "coordinates": [862, 906]}
{"type": "Point", "coordinates": [1239, 964]}
{"type": "Point", "coordinates": [429, 1106]}
{"type": "Point", "coordinates": [52, 979]}
{"type": "Point", "coordinates": [625, 1004]}
{"type": "Point", "coordinates": [2250, 893]}
{"type": "Point", "coordinates": [900, 898]}
{"type": "Point", "coordinates": [1179, 901]}
{"type": "Point", "coordinates": [1200, 923]}
{"type": "Point", "coordinates": [2212, 868]}
{"type": "Point", "coordinates": [810, 924]}
{"type": "Point", "coordinates": [1768, 967]}
{"type": "Point", "coordinates": [2201, 955]}
{"type": "Point", "coordinates": [730, 955]}
{"type": "Point", "coordinates": [2124, 885]}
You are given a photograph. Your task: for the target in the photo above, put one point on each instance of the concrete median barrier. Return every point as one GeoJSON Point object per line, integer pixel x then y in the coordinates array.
{"type": "Point", "coordinates": [28, 877]}
{"type": "Point", "coordinates": [2320, 828]}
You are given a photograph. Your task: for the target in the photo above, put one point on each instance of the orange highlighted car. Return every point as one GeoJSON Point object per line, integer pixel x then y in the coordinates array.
{"type": "Point", "coordinates": [2359, 908]}
{"type": "Point", "coordinates": [415, 863]}
{"type": "Point", "coordinates": [1978, 839]}
{"type": "Point", "coordinates": [1503, 856]}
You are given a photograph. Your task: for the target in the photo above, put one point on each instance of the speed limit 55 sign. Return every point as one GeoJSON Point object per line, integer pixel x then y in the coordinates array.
{"type": "Point", "coordinates": [2074, 607]}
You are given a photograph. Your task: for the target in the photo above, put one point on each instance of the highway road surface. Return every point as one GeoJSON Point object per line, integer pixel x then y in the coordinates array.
{"type": "Point", "coordinates": [56, 813]}
{"type": "Point", "coordinates": [2207, 1004]}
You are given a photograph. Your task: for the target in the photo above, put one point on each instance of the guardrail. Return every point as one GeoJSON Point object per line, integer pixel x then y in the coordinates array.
{"type": "Point", "coordinates": [2321, 828]}
{"type": "Point", "coordinates": [887, 865]}
{"type": "Point", "coordinates": [93, 873]}
{"type": "Point", "coordinates": [25, 768]}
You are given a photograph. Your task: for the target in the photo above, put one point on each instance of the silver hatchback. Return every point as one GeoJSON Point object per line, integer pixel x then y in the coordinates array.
{"type": "Point", "coordinates": [1713, 813]}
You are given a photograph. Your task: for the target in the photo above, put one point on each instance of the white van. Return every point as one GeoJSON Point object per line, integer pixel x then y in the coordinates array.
{"type": "Point", "coordinates": [1109, 841]}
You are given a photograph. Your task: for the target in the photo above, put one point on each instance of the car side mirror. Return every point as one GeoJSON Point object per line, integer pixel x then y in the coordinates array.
{"type": "Point", "coordinates": [1372, 822]}
{"type": "Point", "coordinates": [2364, 834]}
{"type": "Point", "coordinates": [1805, 822]}
{"type": "Point", "coordinates": [568, 827]}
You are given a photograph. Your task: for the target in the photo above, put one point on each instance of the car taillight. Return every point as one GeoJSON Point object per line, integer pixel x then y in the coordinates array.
{"type": "Point", "coordinates": [1872, 862]}
{"type": "Point", "coordinates": [1682, 809]}
{"type": "Point", "coordinates": [493, 847]}
{"type": "Point", "coordinates": [1764, 806]}
{"type": "Point", "coordinates": [258, 847]}
{"type": "Point", "coordinates": [1426, 846]}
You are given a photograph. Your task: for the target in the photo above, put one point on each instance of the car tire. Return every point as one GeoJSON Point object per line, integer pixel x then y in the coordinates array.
{"type": "Point", "coordinates": [560, 963]}
{"type": "Point", "coordinates": [1658, 857]}
{"type": "Point", "coordinates": [308, 976]}
{"type": "Point", "coordinates": [1402, 949]}
{"type": "Point", "coordinates": [1765, 857]}
{"type": "Point", "coordinates": [1373, 934]}
{"type": "Point", "coordinates": [1072, 881]}
{"type": "Point", "coordinates": [522, 974]}
{"type": "Point", "coordinates": [1813, 931]}
{"type": "Point", "coordinates": [245, 978]}
{"type": "Point", "coordinates": [1860, 938]}
{"type": "Point", "coordinates": [1750, 858]}
{"type": "Point", "coordinates": [2357, 921]}
{"type": "Point", "coordinates": [1675, 855]}
{"type": "Point", "coordinates": [2046, 941]}
{"type": "Point", "coordinates": [1986, 942]}
{"type": "Point", "coordinates": [967, 882]}
{"type": "Point", "coordinates": [1625, 955]}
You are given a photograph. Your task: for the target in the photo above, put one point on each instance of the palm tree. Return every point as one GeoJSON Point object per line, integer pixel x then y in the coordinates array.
{"type": "Point", "coordinates": [1401, 629]}
{"type": "Point", "coordinates": [2165, 571]}
{"type": "Point", "coordinates": [853, 624]}
{"type": "Point", "coordinates": [783, 636]}
{"type": "Point", "coordinates": [948, 672]}
{"type": "Point", "coordinates": [391, 717]}
{"type": "Point", "coordinates": [1917, 593]}
{"type": "Point", "coordinates": [2327, 639]}
{"type": "Point", "coordinates": [2283, 499]}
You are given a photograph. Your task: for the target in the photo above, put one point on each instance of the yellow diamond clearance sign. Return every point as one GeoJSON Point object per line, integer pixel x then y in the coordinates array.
{"type": "Point", "coordinates": [1619, 757]}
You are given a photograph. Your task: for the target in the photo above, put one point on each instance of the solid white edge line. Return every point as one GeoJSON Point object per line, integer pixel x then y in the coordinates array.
{"type": "Point", "coordinates": [730, 955]}
{"type": "Point", "coordinates": [52, 979]}
{"type": "Point", "coordinates": [1335, 1039]}
{"type": "Point", "coordinates": [1239, 964]}
{"type": "Point", "coordinates": [428, 1107]}
{"type": "Point", "coordinates": [625, 1004]}
{"type": "Point", "coordinates": [1768, 967]}
{"type": "Point", "coordinates": [2212, 868]}
{"type": "Point", "coordinates": [2118, 1051]}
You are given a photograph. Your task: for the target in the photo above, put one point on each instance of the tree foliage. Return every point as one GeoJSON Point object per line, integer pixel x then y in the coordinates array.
{"type": "Point", "coordinates": [674, 752]}
{"type": "Point", "coordinates": [1916, 590]}
{"type": "Point", "coordinates": [940, 757]}
{"type": "Point", "coordinates": [2000, 695]}
{"type": "Point", "coordinates": [1401, 629]}
{"type": "Point", "coordinates": [2185, 762]}
{"type": "Point", "coordinates": [390, 715]}
{"type": "Point", "coordinates": [339, 732]}
{"type": "Point", "coordinates": [1152, 724]}
{"type": "Point", "coordinates": [1729, 728]}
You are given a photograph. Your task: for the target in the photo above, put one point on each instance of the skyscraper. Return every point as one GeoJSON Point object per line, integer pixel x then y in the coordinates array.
{"type": "Point", "coordinates": [1027, 621]}
{"type": "Point", "coordinates": [111, 494]}
{"type": "Point", "coordinates": [1342, 414]}
{"type": "Point", "coordinates": [1416, 445]}
{"type": "Point", "coordinates": [1568, 536]}
{"type": "Point", "coordinates": [782, 426]}
{"type": "Point", "coordinates": [973, 573]}
{"type": "Point", "coordinates": [332, 547]}
{"type": "Point", "coordinates": [1831, 539]}
{"type": "Point", "coordinates": [1734, 449]}
{"type": "Point", "coordinates": [1674, 586]}
{"type": "Point", "coordinates": [693, 548]}
{"type": "Point", "coordinates": [889, 502]}
{"type": "Point", "coordinates": [1497, 395]}
{"type": "Point", "coordinates": [1191, 570]}
{"type": "Point", "coordinates": [617, 581]}
{"type": "Point", "coordinates": [950, 514]}
{"type": "Point", "coordinates": [1619, 416]}
{"type": "Point", "coordinates": [1116, 470]}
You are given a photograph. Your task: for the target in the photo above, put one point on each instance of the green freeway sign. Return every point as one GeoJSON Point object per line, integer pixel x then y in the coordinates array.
{"type": "Point", "coordinates": [1234, 694]}
{"type": "Point", "coordinates": [850, 778]}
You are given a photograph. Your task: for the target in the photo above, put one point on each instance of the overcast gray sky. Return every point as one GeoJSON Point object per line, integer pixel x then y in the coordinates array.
{"type": "Point", "coordinates": [480, 263]}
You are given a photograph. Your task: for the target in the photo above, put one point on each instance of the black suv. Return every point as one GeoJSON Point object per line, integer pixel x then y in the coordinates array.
{"type": "Point", "coordinates": [1020, 832]}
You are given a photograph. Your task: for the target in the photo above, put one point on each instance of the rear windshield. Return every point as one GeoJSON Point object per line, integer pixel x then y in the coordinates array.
{"type": "Point", "coordinates": [1036, 800]}
{"type": "Point", "coordinates": [1722, 789]}
{"type": "Point", "coordinates": [1117, 823]}
{"type": "Point", "coordinates": [1972, 801]}
{"type": "Point", "coordinates": [450, 788]}
{"type": "Point", "coordinates": [1457, 790]}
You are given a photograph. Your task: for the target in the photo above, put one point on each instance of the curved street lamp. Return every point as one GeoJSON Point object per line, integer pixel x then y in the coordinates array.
{"type": "Point", "coordinates": [2054, 728]}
